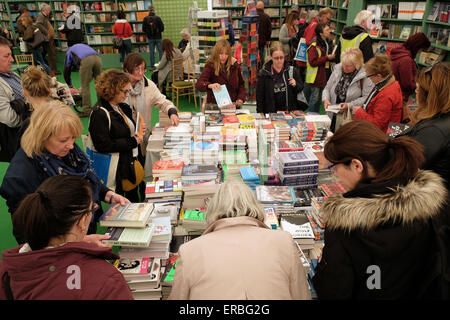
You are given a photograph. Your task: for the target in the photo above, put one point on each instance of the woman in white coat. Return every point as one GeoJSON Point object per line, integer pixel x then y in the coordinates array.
{"type": "Point", "coordinates": [144, 94]}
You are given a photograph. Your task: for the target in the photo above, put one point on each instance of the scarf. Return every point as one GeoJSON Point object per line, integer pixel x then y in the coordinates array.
{"type": "Point", "coordinates": [375, 91]}
{"type": "Point", "coordinates": [343, 84]}
{"type": "Point", "coordinates": [75, 163]}
{"type": "Point", "coordinates": [137, 102]}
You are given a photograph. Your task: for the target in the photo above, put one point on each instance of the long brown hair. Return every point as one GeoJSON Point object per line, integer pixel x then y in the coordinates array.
{"type": "Point", "coordinates": [221, 45]}
{"type": "Point", "coordinates": [167, 48]}
{"type": "Point", "coordinates": [433, 92]}
{"type": "Point", "coordinates": [362, 140]}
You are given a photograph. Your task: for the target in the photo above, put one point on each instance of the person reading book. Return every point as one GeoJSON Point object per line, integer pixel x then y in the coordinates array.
{"type": "Point", "coordinates": [221, 69]}
{"type": "Point", "coordinates": [48, 149]}
{"type": "Point", "coordinates": [238, 256]}
{"type": "Point", "coordinates": [380, 241]}
{"type": "Point", "coordinates": [57, 261]}
{"type": "Point", "coordinates": [278, 84]}
{"type": "Point", "coordinates": [112, 129]}
{"type": "Point", "coordinates": [432, 118]}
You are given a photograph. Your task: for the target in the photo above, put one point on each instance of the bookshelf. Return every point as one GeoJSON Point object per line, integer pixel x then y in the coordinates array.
{"type": "Point", "coordinates": [398, 20]}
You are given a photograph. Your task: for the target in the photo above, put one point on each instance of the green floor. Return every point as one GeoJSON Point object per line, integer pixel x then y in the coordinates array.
{"type": "Point", "coordinates": [6, 238]}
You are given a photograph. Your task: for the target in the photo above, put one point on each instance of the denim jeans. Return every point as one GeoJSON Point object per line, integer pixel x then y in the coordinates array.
{"type": "Point", "coordinates": [151, 44]}
{"type": "Point", "coordinates": [125, 49]}
{"type": "Point", "coordinates": [39, 59]}
{"type": "Point", "coordinates": [314, 97]}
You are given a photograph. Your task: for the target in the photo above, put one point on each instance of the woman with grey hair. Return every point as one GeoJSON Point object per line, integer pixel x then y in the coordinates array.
{"type": "Point", "coordinates": [238, 256]}
{"type": "Point", "coordinates": [186, 38]}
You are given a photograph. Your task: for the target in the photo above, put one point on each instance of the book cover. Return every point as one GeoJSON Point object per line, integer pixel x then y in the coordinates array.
{"type": "Point", "coordinates": [131, 237]}
{"type": "Point", "coordinates": [169, 272]}
{"type": "Point", "coordinates": [131, 266]}
{"type": "Point", "coordinates": [199, 170]}
{"type": "Point", "coordinates": [222, 97]}
{"type": "Point", "coordinates": [406, 31]}
{"type": "Point", "coordinates": [275, 194]}
{"type": "Point", "coordinates": [298, 226]}
{"type": "Point", "coordinates": [270, 218]}
{"type": "Point", "coordinates": [168, 165]}
{"type": "Point", "coordinates": [133, 215]}
{"type": "Point", "coordinates": [298, 158]}
{"type": "Point", "coordinates": [162, 228]}
{"type": "Point", "coordinates": [139, 125]}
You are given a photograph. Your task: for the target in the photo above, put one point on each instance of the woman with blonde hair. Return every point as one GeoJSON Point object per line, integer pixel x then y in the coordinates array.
{"type": "Point", "coordinates": [238, 256]}
{"type": "Point", "coordinates": [113, 129]}
{"type": "Point", "coordinates": [348, 84]}
{"type": "Point", "coordinates": [384, 103]}
{"type": "Point", "coordinates": [221, 69]}
{"type": "Point", "coordinates": [48, 149]}
{"type": "Point", "coordinates": [432, 118]}
{"type": "Point", "coordinates": [288, 29]}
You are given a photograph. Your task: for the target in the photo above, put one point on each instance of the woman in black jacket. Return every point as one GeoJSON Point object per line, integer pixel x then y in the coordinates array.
{"type": "Point", "coordinates": [278, 84]}
{"type": "Point", "coordinates": [380, 236]}
{"type": "Point", "coordinates": [112, 129]}
{"type": "Point", "coordinates": [432, 118]}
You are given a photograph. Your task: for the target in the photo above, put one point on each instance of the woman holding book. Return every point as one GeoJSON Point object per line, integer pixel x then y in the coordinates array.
{"type": "Point", "coordinates": [380, 240]}
{"type": "Point", "coordinates": [113, 129]}
{"type": "Point", "coordinates": [122, 29]}
{"type": "Point", "coordinates": [348, 84]}
{"type": "Point", "coordinates": [48, 149]}
{"type": "Point", "coordinates": [384, 103]}
{"type": "Point", "coordinates": [432, 118]}
{"type": "Point", "coordinates": [57, 262]}
{"type": "Point", "coordinates": [222, 69]}
{"type": "Point", "coordinates": [239, 256]}
{"type": "Point", "coordinates": [278, 84]}
{"type": "Point", "coordinates": [144, 94]}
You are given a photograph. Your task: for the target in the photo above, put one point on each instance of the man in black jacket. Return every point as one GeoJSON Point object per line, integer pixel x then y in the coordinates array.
{"type": "Point", "coordinates": [264, 31]}
{"type": "Point", "coordinates": [153, 27]}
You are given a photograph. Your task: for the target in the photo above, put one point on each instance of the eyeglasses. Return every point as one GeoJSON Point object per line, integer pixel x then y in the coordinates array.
{"type": "Point", "coordinates": [277, 58]}
{"type": "Point", "coordinates": [125, 91]}
{"type": "Point", "coordinates": [332, 167]}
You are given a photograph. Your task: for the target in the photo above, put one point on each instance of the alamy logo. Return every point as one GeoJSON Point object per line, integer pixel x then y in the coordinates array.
{"type": "Point", "coordinates": [374, 280]}
{"type": "Point", "coordinates": [74, 21]}
{"type": "Point", "coordinates": [74, 280]}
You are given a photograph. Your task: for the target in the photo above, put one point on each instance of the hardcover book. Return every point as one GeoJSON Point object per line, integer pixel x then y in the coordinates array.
{"type": "Point", "coordinates": [132, 215]}
{"type": "Point", "coordinates": [298, 226]}
{"type": "Point", "coordinates": [298, 158]}
{"type": "Point", "coordinates": [275, 194]}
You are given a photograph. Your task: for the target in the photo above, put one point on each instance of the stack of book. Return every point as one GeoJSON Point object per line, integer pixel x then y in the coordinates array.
{"type": "Point", "coordinates": [332, 188]}
{"type": "Point", "coordinates": [282, 130]}
{"type": "Point", "coordinates": [269, 131]}
{"type": "Point", "coordinates": [143, 276]}
{"type": "Point", "coordinates": [193, 220]}
{"type": "Point", "coordinates": [282, 198]}
{"type": "Point", "coordinates": [304, 197]}
{"type": "Point", "coordinates": [199, 183]}
{"type": "Point", "coordinates": [246, 121]}
{"type": "Point", "coordinates": [321, 120]}
{"type": "Point", "coordinates": [197, 173]}
{"type": "Point", "coordinates": [232, 142]}
{"type": "Point", "coordinates": [309, 131]}
{"type": "Point", "coordinates": [185, 116]}
{"type": "Point", "coordinates": [168, 272]}
{"type": "Point", "coordinates": [163, 191]}
{"type": "Point", "coordinates": [250, 177]}
{"type": "Point", "coordinates": [215, 119]}
{"type": "Point", "coordinates": [290, 145]}
{"type": "Point", "coordinates": [299, 169]}
{"type": "Point", "coordinates": [252, 143]}
{"type": "Point", "coordinates": [231, 120]}
{"type": "Point", "coordinates": [204, 152]}
{"type": "Point", "coordinates": [315, 216]}
{"type": "Point", "coordinates": [167, 169]}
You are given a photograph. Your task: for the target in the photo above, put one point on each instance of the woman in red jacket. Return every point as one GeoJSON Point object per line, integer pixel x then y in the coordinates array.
{"type": "Point", "coordinates": [384, 103]}
{"type": "Point", "coordinates": [122, 29]}
{"type": "Point", "coordinates": [221, 69]}
{"type": "Point", "coordinates": [57, 262]}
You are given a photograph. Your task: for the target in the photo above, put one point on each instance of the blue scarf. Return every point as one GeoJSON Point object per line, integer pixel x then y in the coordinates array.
{"type": "Point", "coordinates": [75, 163]}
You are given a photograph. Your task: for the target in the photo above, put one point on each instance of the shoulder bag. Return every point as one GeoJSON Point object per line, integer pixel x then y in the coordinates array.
{"type": "Point", "coordinates": [118, 42]}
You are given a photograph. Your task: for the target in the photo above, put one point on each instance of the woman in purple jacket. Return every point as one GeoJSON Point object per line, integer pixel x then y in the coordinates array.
{"type": "Point", "coordinates": [221, 69]}
{"type": "Point", "coordinates": [58, 262]}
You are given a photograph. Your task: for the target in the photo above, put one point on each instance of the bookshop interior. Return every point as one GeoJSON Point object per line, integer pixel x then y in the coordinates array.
{"type": "Point", "coordinates": [308, 140]}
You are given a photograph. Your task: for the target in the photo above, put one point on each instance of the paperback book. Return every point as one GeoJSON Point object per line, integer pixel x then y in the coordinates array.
{"type": "Point", "coordinates": [132, 215]}
{"type": "Point", "coordinates": [131, 237]}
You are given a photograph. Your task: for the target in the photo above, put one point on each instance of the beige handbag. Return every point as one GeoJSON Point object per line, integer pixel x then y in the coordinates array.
{"type": "Point", "coordinates": [343, 118]}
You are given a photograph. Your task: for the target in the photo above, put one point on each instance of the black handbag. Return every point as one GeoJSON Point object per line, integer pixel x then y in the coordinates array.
{"type": "Point", "coordinates": [118, 42]}
{"type": "Point", "coordinates": [38, 39]}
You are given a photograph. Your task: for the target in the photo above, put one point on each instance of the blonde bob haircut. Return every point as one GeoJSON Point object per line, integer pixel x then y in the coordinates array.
{"type": "Point", "coordinates": [380, 64]}
{"type": "Point", "coordinates": [353, 56]}
{"type": "Point", "coordinates": [109, 83]}
{"type": "Point", "coordinates": [222, 46]}
{"type": "Point", "coordinates": [49, 120]}
{"type": "Point", "coordinates": [36, 82]}
{"type": "Point", "coordinates": [233, 199]}
{"type": "Point", "coordinates": [433, 91]}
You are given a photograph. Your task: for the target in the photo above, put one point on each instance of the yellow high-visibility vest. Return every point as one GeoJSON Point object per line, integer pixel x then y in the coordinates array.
{"type": "Point", "coordinates": [311, 72]}
{"type": "Point", "coordinates": [353, 43]}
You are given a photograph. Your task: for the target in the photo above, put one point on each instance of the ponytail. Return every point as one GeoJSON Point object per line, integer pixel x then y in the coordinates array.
{"type": "Point", "coordinates": [52, 210]}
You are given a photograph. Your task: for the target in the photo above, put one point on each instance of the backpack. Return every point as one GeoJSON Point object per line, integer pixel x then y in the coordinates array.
{"type": "Point", "coordinates": [153, 24]}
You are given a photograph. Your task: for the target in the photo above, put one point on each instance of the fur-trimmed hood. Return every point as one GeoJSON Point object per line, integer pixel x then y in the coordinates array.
{"type": "Point", "coordinates": [419, 200]}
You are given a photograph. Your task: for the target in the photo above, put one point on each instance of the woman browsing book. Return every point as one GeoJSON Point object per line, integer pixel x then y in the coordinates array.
{"type": "Point", "coordinates": [278, 84]}
{"type": "Point", "coordinates": [221, 69]}
{"type": "Point", "coordinates": [380, 240]}
{"type": "Point", "coordinates": [112, 129]}
{"type": "Point", "coordinates": [48, 149]}
{"type": "Point", "coordinates": [238, 256]}
{"type": "Point", "coordinates": [57, 262]}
